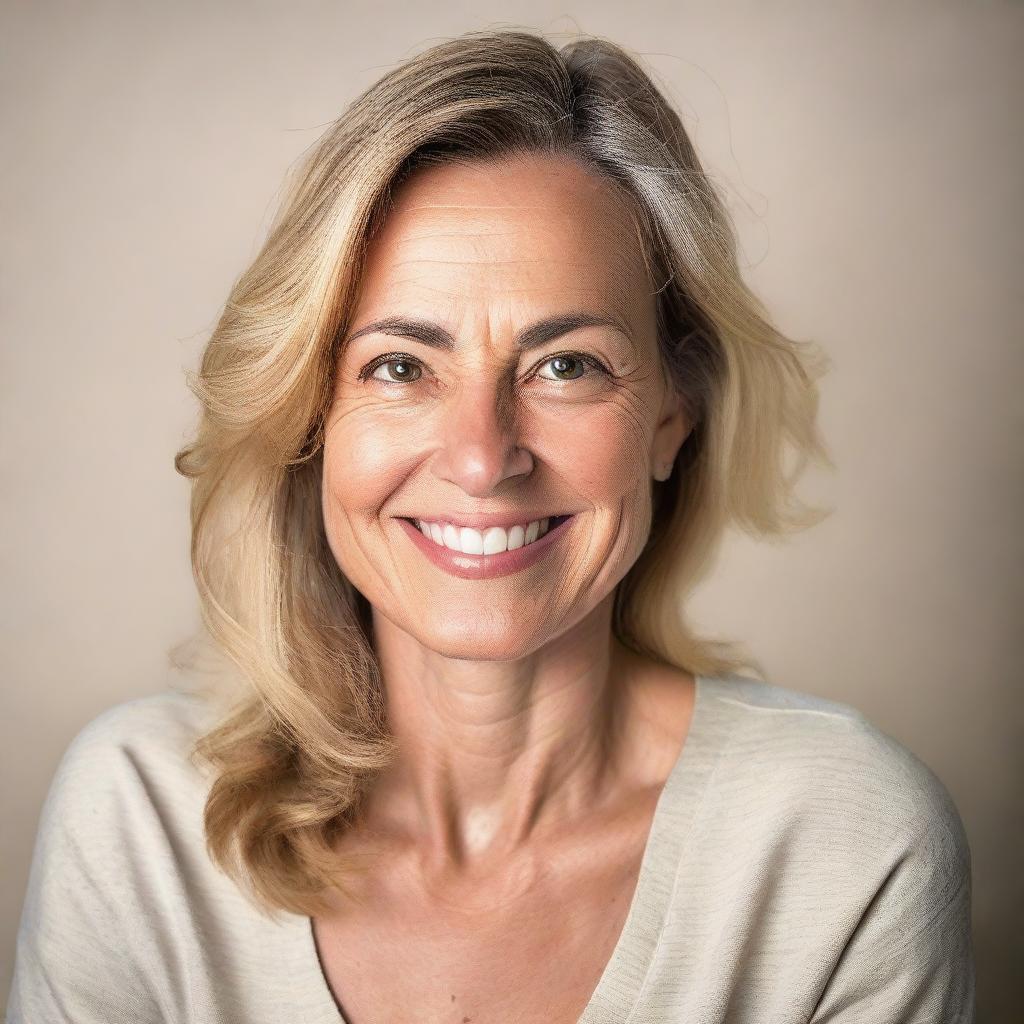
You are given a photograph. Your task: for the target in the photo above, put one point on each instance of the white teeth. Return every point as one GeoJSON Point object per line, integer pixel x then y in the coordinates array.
{"type": "Point", "coordinates": [495, 539]}
{"type": "Point", "coordinates": [471, 541]}
{"type": "Point", "coordinates": [491, 541]}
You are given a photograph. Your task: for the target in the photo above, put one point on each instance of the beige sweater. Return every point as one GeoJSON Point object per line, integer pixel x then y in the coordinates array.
{"type": "Point", "coordinates": [802, 866]}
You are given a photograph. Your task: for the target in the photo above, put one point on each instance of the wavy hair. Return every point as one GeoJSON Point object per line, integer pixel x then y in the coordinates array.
{"type": "Point", "coordinates": [305, 732]}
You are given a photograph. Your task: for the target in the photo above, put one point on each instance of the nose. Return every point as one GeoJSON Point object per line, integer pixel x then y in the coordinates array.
{"type": "Point", "coordinates": [480, 438]}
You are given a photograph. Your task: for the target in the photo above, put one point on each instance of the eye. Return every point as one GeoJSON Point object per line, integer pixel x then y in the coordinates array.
{"type": "Point", "coordinates": [571, 366]}
{"type": "Point", "coordinates": [398, 368]}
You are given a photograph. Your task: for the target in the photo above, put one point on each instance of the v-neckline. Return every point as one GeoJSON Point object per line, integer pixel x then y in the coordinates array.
{"type": "Point", "coordinates": [621, 982]}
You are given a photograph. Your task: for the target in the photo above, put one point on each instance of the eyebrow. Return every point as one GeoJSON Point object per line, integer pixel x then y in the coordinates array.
{"type": "Point", "coordinates": [539, 333]}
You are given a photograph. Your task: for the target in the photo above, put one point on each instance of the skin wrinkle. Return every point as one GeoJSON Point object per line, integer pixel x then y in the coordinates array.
{"type": "Point", "coordinates": [509, 700]}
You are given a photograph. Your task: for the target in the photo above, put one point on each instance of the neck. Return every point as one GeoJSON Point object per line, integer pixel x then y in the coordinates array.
{"type": "Point", "coordinates": [492, 754]}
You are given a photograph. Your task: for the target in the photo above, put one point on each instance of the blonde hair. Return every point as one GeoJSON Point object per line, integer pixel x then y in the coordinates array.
{"type": "Point", "coordinates": [295, 752]}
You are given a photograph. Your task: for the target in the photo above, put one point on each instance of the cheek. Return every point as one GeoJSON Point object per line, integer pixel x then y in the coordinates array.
{"type": "Point", "coordinates": [601, 457]}
{"type": "Point", "coordinates": [362, 463]}
{"type": "Point", "coordinates": [362, 467]}
{"type": "Point", "coordinates": [605, 461]}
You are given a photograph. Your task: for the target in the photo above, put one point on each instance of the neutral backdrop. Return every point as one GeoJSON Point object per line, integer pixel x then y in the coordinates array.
{"type": "Point", "coordinates": [871, 156]}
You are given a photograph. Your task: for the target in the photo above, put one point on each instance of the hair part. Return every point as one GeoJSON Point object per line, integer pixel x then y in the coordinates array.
{"type": "Point", "coordinates": [300, 740]}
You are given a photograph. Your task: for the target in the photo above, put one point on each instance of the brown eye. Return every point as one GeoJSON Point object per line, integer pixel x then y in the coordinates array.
{"type": "Point", "coordinates": [569, 366]}
{"type": "Point", "coordinates": [399, 370]}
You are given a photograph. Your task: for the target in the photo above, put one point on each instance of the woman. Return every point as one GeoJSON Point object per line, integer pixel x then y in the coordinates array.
{"type": "Point", "coordinates": [473, 424]}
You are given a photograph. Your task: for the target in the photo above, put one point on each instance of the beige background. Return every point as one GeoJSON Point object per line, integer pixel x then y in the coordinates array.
{"type": "Point", "coordinates": [871, 153]}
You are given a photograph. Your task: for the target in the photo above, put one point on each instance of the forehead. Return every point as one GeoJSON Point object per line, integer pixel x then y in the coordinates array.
{"type": "Point", "coordinates": [535, 230]}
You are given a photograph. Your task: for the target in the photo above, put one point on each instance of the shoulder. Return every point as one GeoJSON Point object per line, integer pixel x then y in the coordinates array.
{"type": "Point", "coordinates": [170, 717]}
{"type": "Point", "coordinates": [160, 723]}
{"type": "Point", "coordinates": [136, 749]}
{"type": "Point", "coordinates": [125, 785]}
{"type": "Point", "coordinates": [857, 830]}
{"type": "Point", "coordinates": [826, 762]}
{"type": "Point", "coordinates": [119, 850]}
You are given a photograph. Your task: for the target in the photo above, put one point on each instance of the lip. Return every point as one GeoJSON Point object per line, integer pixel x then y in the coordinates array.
{"type": "Point", "coordinates": [485, 567]}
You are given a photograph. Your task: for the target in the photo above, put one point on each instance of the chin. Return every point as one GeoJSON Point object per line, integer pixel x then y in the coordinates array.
{"type": "Point", "coordinates": [479, 637]}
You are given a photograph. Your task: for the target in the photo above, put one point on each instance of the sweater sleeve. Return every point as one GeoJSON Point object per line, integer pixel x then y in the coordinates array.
{"type": "Point", "coordinates": [910, 960]}
{"type": "Point", "coordinates": [91, 947]}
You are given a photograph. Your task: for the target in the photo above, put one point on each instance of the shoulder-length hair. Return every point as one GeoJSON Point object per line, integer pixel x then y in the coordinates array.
{"type": "Point", "coordinates": [295, 751]}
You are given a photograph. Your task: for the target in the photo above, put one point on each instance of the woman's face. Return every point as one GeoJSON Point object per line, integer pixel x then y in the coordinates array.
{"type": "Point", "coordinates": [512, 377]}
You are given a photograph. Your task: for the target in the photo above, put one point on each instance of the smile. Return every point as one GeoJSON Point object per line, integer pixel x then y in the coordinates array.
{"type": "Point", "coordinates": [471, 553]}
{"type": "Point", "coordinates": [490, 541]}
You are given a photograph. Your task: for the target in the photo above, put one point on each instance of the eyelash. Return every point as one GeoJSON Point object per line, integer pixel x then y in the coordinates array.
{"type": "Point", "coordinates": [404, 357]}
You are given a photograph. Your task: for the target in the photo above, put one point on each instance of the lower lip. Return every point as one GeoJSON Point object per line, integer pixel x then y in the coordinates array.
{"type": "Point", "coordinates": [485, 567]}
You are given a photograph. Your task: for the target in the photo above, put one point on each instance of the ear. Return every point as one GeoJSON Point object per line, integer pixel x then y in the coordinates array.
{"type": "Point", "coordinates": [672, 429]}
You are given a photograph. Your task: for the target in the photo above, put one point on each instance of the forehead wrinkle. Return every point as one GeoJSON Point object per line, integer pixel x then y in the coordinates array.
{"type": "Point", "coordinates": [411, 237]}
{"type": "Point", "coordinates": [609, 221]}
{"type": "Point", "coordinates": [482, 249]}
{"type": "Point", "coordinates": [528, 260]}
{"type": "Point", "coordinates": [556, 203]}
{"type": "Point", "coordinates": [607, 218]}
{"type": "Point", "coordinates": [473, 206]}
{"type": "Point", "coordinates": [617, 290]}
{"type": "Point", "coordinates": [521, 239]}
{"type": "Point", "coordinates": [405, 252]}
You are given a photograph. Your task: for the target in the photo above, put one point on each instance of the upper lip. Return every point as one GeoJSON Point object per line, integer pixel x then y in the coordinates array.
{"type": "Point", "coordinates": [483, 522]}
